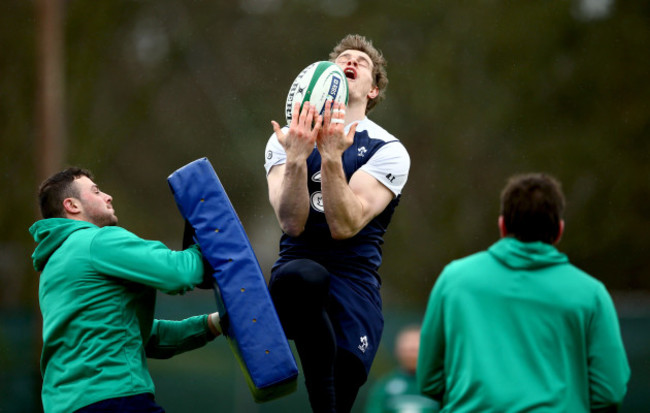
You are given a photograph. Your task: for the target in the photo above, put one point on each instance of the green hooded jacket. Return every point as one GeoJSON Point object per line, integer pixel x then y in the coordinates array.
{"type": "Point", "coordinates": [97, 293]}
{"type": "Point", "coordinates": [518, 328]}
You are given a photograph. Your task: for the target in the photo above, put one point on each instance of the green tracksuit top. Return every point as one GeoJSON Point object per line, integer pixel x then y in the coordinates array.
{"type": "Point", "coordinates": [97, 293]}
{"type": "Point", "coordinates": [517, 328]}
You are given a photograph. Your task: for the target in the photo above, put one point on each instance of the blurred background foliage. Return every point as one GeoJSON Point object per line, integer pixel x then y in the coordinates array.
{"type": "Point", "coordinates": [478, 90]}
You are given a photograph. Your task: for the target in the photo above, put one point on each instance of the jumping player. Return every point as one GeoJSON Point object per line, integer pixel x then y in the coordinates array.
{"type": "Point", "coordinates": [334, 181]}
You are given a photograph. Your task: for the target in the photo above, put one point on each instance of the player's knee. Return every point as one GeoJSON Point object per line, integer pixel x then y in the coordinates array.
{"type": "Point", "coordinates": [302, 282]}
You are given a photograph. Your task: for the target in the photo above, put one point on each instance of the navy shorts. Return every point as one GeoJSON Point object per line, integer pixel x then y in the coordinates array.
{"type": "Point", "coordinates": [355, 312]}
{"type": "Point", "coordinates": [353, 307]}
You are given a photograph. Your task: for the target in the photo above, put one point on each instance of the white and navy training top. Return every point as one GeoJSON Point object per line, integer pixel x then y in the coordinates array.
{"type": "Point", "coordinates": [379, 154]}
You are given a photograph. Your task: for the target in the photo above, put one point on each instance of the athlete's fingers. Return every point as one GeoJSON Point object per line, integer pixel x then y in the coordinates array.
{"type": "Point", "coordinates": [306, 108]}
{"type": "Point", "coordinates": [351, 132]}
{"type": "Point", "coordinates": [342, 110]}
{"type": "Point", "coordinates": [295, 114]}
{"type": "Point", "coordinates": [311, 112]}
{"type": "Point", "coordinates": [328, 113]}
{"type": "Point", "coordinates": [338, 116]}
{"type": "Point", "coordinates": [278, 131]}
{"type": "Point", "coordinates": [317, 124]}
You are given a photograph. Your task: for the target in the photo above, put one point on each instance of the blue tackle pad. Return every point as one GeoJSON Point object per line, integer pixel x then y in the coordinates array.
{"type": "Point", "coordinates": [253, 328]}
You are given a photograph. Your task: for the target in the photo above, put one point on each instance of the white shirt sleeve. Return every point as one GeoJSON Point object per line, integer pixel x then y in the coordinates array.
{"type": "Point", "coordinates": [274, 153]}
{"type": "Point", "coordinates": [390, 165]}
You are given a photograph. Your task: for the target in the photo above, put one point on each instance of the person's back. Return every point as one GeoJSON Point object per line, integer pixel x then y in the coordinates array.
{"type": "Point", "coordinates": [518, 328]}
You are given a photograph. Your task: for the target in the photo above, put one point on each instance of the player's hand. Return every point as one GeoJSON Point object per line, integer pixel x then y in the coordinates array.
{"type": "Point", "coordinates": [300, 139]}
{"type": "Point", "coordinates": [332, 140]}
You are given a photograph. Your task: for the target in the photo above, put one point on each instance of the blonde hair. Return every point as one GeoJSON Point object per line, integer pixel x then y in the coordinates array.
{"type": "Point", "coordinates": [379, 75]}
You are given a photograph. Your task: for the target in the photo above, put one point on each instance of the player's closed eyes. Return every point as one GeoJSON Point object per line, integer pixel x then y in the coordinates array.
{"type": "Point", "coordinates": [345, 58]}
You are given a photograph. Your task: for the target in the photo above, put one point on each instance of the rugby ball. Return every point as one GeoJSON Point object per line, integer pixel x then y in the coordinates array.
{"type": "Point", "coordinates": [316, 84]}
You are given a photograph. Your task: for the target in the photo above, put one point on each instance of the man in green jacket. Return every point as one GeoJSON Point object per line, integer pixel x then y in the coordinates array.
{"type": "Point", "coordinates": [97, 294]}
{"type": "Point", "coordinates": [517, 328]}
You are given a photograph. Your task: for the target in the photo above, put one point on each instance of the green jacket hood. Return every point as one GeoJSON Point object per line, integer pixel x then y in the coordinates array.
{"type": "Point", "coordinates": [50, 234]}
{"type": "Point", "coordinates": [526, 255]}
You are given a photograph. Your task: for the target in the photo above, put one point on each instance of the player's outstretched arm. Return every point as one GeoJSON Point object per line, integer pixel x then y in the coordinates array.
{"type": "Point", "coordinates": [124, 255]}
{"type": "Point", "coordinates": [289, 196]}
{"type": "Point", "coordinates": [348, 207]}
{"type": "Point", "coordinates": [287, 183]}
{"type": "Point", "coordinates": [169, 338]}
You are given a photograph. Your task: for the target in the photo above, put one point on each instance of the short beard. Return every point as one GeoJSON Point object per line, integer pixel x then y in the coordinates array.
{"type": "Point", "coordinates": [105, 221]}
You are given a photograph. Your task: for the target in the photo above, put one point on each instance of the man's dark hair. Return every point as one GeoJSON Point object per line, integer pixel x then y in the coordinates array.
{"type": "Point", "coordinates": [58, 187]}
{"type": "Point", "coordinates": [532, 206]}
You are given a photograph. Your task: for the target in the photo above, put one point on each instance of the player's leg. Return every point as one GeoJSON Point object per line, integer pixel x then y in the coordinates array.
{"type": "Point", "coordinates": [355, 310]}
{"type": "Point", "coordinates": [349, 376]}
{"type": "Point", "coordinates": [300, 291]}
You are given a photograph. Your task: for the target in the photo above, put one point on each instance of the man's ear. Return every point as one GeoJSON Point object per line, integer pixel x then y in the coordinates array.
{"type": "Point", "coordinates": [502, 227]}
{"type": "Point", "coordinates": [72, 206]}
{"type": "Point", "coordinates": [560, 231]}
{"type": "Point", "coordinates": [374, 92]}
